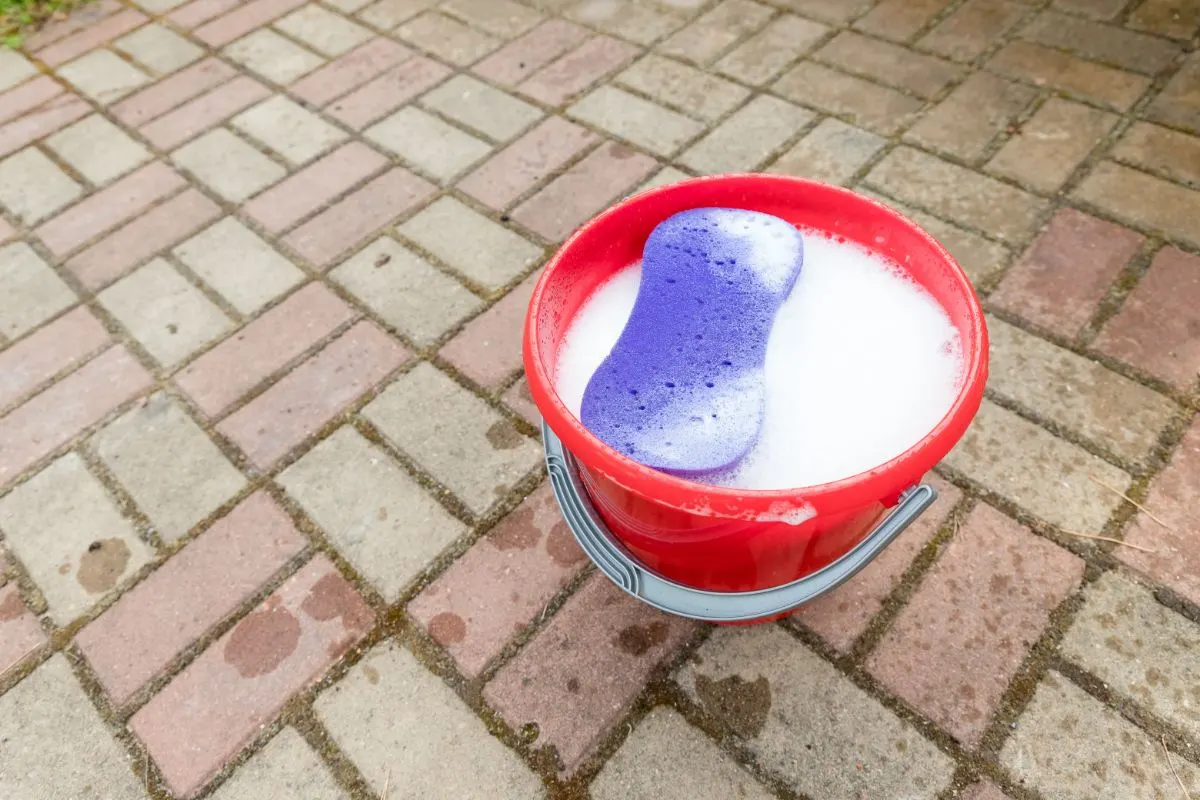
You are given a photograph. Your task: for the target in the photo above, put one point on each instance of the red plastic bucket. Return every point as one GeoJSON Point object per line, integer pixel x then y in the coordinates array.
{"type": "Point", "coordinates": [735, 540]}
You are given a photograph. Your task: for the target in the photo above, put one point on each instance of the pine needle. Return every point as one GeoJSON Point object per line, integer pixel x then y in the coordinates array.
{"type": "Point", "coordinates": [1107, 539]}
{"type": "Point", "coordinates": [1186, 794]}
{"type": "Point", "coordinates": [1130, 500]}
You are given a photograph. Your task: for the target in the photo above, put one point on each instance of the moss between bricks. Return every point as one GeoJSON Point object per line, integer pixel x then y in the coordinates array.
{"type": "Point", "coordinates": [18, 18]}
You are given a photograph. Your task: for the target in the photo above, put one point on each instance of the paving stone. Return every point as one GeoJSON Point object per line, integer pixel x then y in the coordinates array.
{"type": "Point", "coordinates": [1139, 648]}
{"type": "Point", "coordinates": [745, 140]}
{"type": "Point", "coordinates": [192, 14]}
{"type": "Point", "coordinates": [666, 757]}
{"type": "Point", "coordinates": [54, 30]}
{"type": "Point", "coordinates": [488, 350]}
{"type": "Point", "coordinates": [967, 121]}
{"type": "Point", "coordinates": [313, 394]}
{"type": "Point", "coordinates": [868, 105]}
{"type": "Point", "coordinates": [350, 222]}
{"type": "Point", "coordinates": [468, 447]}
{"type": "Point", "coordinates": [243, 268]}
{"type": "Point", "coordinates": [1047, 149]}
{"type": "Point", "coordinates": [1043, 474]}
{"type": "Point", "coordinates": [41, 122]}
{"type": "Point", "coordinates": [350, 71]}
{"type": "Point", "coordinates": [663, 177]}
{"type": "Point", "coordinates": [15, 68]}
{"type": "Point", "coordinates": [482, 250]}
{"type": "Point", "coordinates": [1106, 43]}
{"type": "Point", "coordinates": [1142, 200]}
{"type": "Point", "coordinates": [832, 152]}
{"type": "Point", "coordinates": [635, 120]}
{"type": "Point", "coordinates": [1063, 277]}
{"type": "Point", "coordinates": [1045, 67]}
{"type": "Point", "coordinates": [71, 538]}
{"type": "Point", "coordinates": [973, 28]}
{"type": "Point", "coordinates": [526, 162]}
{"type": "Point", "coordinates": [167, 315]}
{"type": "Point", "coordinates": [328, 33]}
{"type": "Point", "coordinates": [714, 32]}
{"type": "Point", "coordinates": [30, 291]}
{"type": "Point", "coordinates": [578, 70]}
{"type": "Point", "coordinates": [201, 585]}
{"type": "Point", "coordinates": [109, 207]}
{"type": "Point", "coordinates": [491, 112]}
{"type": "Point", "coordinates": [403, 726]}
{"type": "Point", "coordinates": [520, 400]}
{"type": "Point", "coordinates": [527, 559]}
{"type": "Point", "coordinates": [764, 55]}
{"type": "Point", "coordinates": [152, 232]}
{"type": "Point", "coordinates": [1080, 395]}
{"type": "Point", "coordinates": [582, 671]}
{"type": "Point", "coordinates": [1090, 768]}
{"type": "Point", "coordinates": [608, 172]}
{"type": "Point", "coordinates": [244, 18]}
{"type": "Point", "coordinates": [304, 192]}
{"type": "Point", "coordinates": [889, 64]}
{"type": "Point", "coordinates": [29, 96]}
{"type": "Point", "coordinates": [1156, 328]}
{"type": "Point", "coordinates": [1166, 17]}
{"type": "Point", "coordinates": [833, 11]}
{"type": "Point", "coordinates": [387, 14]}
{"type": "Point", "coordinates": [899, 20]}
{"type": "Point", "coordinates": [103, 76]}
{"type": "Point", "coordinates": [425, 142]}
{"type": "Point", "coordinates": [296, 134]}
{"type": "Point", "coordinates": [234, 367]}
{"type": "Point", "coordinates": [1173, 155]}
{"type": "Point", "coordinates": [227, 165]}
{"type": "Point", "coordinates": [626, 19]}
{"type": "Point", "coordinates": [776, 695]}
{"type": "Point", "coordinates": [276, 58]}
{"type": "Point", "coordinates": [378, 97]}
{"type": "Point", "coordinates": [7, 231]}
{"type": "Point", "coordinates": [841, 616]}
{"type": "Point", "coordinates": [62, 344]}
{"type": "Point", "coordinates": [954, 648]}
{"type": "Point", "coordinates": [215, 706]}
{"type": "Point", "coordinates": [952, 191]}
{"type": "Point", "coordinates": [1104, 10]}
{"type": "Point", "coordinates": [88, 37]}
{"type": "Point", "coordinates": [174, 472]}
{"type": "Point", "coordinates": [405, 291]}
{"type": "Point", "coordinates": [525, 55]}
{"type": "Point", "coordinates": [196, 116]}
{"type": "Point", "coordinates": [287, 764]}
{"type": "Point", "coordinates": [159, 49]}
{"type": "Point", "coordinates": [682, 87]}
{"type": "Point", "coordinates": [98, 149]}
{"type": "Point", "coordinates": [32, 187]}
{"type": "Point", "coordinates": [54, 744]}
{"type": "Point", "coordinates": [371, 510]}
{"type": "Point", "coordinates": [447, 38]}
{"type": "Point", "coordinates": [502, 18]}
{"type": "Point", "coordinates": [52, 418]}
{"type": "Point", "coordinates": [159, 6]}
{"type": "Point", "coordinates": [20, 632]}
{"type": "Point", "coordinates": [984, 790]}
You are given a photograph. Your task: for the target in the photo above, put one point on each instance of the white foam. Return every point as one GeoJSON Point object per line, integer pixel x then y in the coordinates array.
{"type": "Point", "coordinates": [861, 364]}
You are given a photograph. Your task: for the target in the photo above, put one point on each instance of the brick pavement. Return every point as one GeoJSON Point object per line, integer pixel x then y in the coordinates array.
{"type": "Point", "coordinates": [271, 505]}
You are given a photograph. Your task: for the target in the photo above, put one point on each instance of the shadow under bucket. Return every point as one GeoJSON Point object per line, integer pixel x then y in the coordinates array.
{"type": "Point", "coordinates": [726, 554]}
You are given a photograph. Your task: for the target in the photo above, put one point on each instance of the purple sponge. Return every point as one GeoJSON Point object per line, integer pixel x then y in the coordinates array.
{"type": "Point", "coordinates": [683, 389]}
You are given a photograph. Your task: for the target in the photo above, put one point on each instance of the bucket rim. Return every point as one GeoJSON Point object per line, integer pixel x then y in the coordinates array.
{"type": "Point", "coordinates": [794, 505]}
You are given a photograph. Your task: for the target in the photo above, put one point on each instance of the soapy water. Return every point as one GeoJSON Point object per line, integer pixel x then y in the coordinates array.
{"type": "Point", "coordinates": [861, 364]}
{"type": "Point", "coordinates": [682, 389]}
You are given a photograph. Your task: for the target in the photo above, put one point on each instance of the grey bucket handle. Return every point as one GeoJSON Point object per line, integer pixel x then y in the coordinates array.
{"type": "Point", "coordinates": [626, 572]}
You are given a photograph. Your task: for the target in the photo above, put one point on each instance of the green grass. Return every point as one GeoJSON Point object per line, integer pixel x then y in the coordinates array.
{"type": "Point", "coordinates": [19, 17]}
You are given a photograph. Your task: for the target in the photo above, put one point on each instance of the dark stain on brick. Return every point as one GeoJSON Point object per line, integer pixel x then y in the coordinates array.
{"type": "Point", "coordinates": [573, 685]}
{"type": "Point", "coordinates": [740, 704]}
{"type": "Point", "coordinates": [262, 641]}
{"type": "Point", "coordinates": [11, 606]}
{"type": "Point", "coordinates": [637, 640]}
{"type": "Point", "coordinates": [561, 546]}
{"type": "Point", "coordinates": [504, 436]}
{"type": "Point", "coordinates": [102, 565]}
{"type": "Point", "coordinates": [447, 628]}
{"type": "Point", "coordinates": [517, 532]}
{"type": "Point", "coordinates": [331, 597]}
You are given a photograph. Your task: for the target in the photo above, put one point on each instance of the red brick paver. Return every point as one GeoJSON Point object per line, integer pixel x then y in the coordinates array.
{"type": "Point", "coordinates": [303, 382]}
